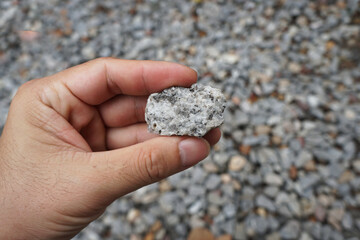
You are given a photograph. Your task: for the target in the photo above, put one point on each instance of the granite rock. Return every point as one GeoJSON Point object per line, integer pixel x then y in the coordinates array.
{"type": "Point", "coordinates": [185, 111]}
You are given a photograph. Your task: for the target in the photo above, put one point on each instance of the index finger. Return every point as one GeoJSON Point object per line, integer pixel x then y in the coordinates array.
{"type": "Point", "coordinates": [98, 80]}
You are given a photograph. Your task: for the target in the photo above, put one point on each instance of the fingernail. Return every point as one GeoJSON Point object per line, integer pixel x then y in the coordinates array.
{"type": "Point", "coordinates": [193, 150]}
{"type": "Point", "coordinates": [197, 72]}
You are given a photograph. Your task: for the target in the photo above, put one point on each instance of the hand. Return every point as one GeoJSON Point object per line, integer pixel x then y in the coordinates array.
{"type": "Point", "coordinates": [76, 141]}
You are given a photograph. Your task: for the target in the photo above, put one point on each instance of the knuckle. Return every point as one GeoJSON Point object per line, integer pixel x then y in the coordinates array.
{"type": "Point", "coordinates": [25, 95]}
{"type": "Point", "coordinates": [153, 164]}
{"type": "Point", "coordinates": [25, 87]}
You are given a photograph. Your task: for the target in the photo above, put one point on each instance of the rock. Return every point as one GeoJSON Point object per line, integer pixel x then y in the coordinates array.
{"type": "Point", "coordinates": [347, 221]}
{"type": "Point", "coordinates": [356, 165]}
{"type": "Point", "coordinates": [196, 190]}
{"type": "Point", "coordinates": [213, 210]}
{"type": "Point", "coordinates": [309, 180]}
{"type": "Point", "coordinates": [255, 224]}
{"type": "Point", "coordinates": [310, 166]}
{"type": "Point", "coordinates": [185, 111]}
{"type": "Point", "coordinates": [160, 234]}
{"type": "Point", "coordinates": [261, 211]}
{"type": "Point", "coordinates": [262, 201]}
{"type": "Point", "coordinates": [305, 236]}
{"type": "Point", "coordinates": [256, 140]}
{"type": "Point", "coordinates": [196, 222]}
{"type": "Point", "coordinates": [196, 207]}
{"type": "Point", "coordinates": [88, 52]}
{"type": "Point", "coordinates": [237, 163]}
{"type": "Point", "coordinates": [156, 226]}
{"type": "Point", "coordinates": [254, 179]}
{"type": "Point", "coordinates": [245, 149]}
{"type": "Point", "coordinates": [273, 236]}
{"type": "Point", "coordinates": [229, 58]}
{"type": "Point", "coordinates": [291, 230]}
{"type": "Point", "coordinates": [273, 179]}
{"type": "Point", "coordinates": [224, 237]}
{"type": "Point", "coordinates": [200, 234]}
{"type": "Point", "coordinates": [240, 233]}
{"type": "Point", "coordinates": [273, 223]}
{"type": "Point", "coordinates": [262, 129]}
{"type": "Point", "coordinates": [237, 136]}
{"type": "Point", "coordinates": [277, 140]}
{"type": "Point", "coordinates": [229, 210]}
{"type": "Point", "coordinates": [225, 178]}
{"type": "Point", "coordinates": [335, 215]}
{"type": "Point", "coordinates": [241, 118]}
{"type": "Point", "coordinates": [271, 191]}
{"type": "Point", "coordinates": [132, 215]}
{"type": "Point", "coordinates": [325, 200]}
{"type": "Point", "coordinates": [215, 198]}
{"type": "Point", "coordinates": [345, 177]}
{"type": "Point", "coordinates": [294, 67]}
{"type": "Point", "coordinates": [313, 101]}
{"type": "Point", "coordinates": [211, 167]}
{"type": "Point", "coordinates": [303, 158]}
{"type": "Point", "coordinates": [134, 237]}
{"type": "Point", "coordinates": [320, 213]}
{"type": "Point", "coordinates": [213, 182]}
{"type": "Point", "coordinates": [149, 236]}
{"type": "Point", "coordinates": [221, 158]}
{"type": "Point", "coordinates": [164, 186]}
{"type": "Point", "coordinates": [358, 223]}
{"type": "Point", "coordinates": [293, 172]}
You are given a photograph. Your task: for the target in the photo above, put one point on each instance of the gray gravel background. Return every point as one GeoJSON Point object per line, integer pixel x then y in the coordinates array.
{"type": "Point", "coordinates": [288, 164]}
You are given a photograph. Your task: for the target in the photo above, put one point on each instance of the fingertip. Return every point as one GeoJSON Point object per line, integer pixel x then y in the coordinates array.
{"type": "Point", "coordinates": [192, 150]}
{"type": "Point", "coordinates": [189, 75]}
{"type": "Point", "coordinates": [213, 136]}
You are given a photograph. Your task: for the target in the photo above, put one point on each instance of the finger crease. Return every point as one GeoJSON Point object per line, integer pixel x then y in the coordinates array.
{"type": "Point", "coordinates": [143, 80]}
{"type": "Point", "coordinates": [136, 109]}
{"type": "Point", "coordinates": [111, 85]}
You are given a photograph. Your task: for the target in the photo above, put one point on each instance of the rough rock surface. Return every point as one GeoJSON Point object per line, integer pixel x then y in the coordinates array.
{"type": "Point", "coordinates": [185, 111]}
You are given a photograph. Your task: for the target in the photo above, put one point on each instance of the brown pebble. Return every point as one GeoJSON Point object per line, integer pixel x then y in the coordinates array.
{"type": "Point", "coordinates": [261, 211]}
{"type": "Point", "coordinates": [200, 234]}
{"type": "Point", "coordinates": [211, 167]}
{"type": "Point", "coordinates": [244, 149]}
{"type": "Point", "coordinates": [207, 218]}
{"type": "Point", "coordinates": [224, 237]}
{"type": "Point", "coordinates": [237, 163]}
{"type": "Point", "coordinates": [262, 129]}
{"type": "Point", "coordinates": [329, 45]}
{"type": "Point", "coordinates": [149, 236]}
{"type": "Point", "coordinates": [156, 226]}
{"type": "Point", "coordinates": [225, 178]}
{"type": "Point", "coordinates": [293, 172]}
{"type": "Point", "coordinates": [345, 177]}
{"type": "Point", "coordinates": [164, 186]}
{"type": "Point", "coordinates": [310, 166]}
{"type": "Point", "coordinates": [236, 100]}
{"type": "Point", "coordinates": [276, 140]}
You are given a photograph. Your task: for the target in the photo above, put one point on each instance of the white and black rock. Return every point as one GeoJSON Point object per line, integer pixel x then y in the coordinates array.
{"type": "Point", "coordinates": [185, 111]}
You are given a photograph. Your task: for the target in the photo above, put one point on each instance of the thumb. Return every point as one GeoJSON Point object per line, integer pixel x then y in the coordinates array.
{"type": "Point", "coordinates": [138, 165]}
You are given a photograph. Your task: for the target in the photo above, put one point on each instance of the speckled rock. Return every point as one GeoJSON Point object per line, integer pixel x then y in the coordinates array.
{"type": "Point", "coordinates": [185, 111]}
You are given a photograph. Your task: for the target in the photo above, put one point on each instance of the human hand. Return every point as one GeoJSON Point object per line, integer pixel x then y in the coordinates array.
{"type": "Point", "coordinates": [76, 141]}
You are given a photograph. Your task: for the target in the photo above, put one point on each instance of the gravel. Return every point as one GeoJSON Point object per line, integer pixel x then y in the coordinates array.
{"type": "Point", "coordinates": [288, 163]}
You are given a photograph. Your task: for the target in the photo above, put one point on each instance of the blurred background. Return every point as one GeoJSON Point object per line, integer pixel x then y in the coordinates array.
{"type": "Point", "coordinates": [288, 164]}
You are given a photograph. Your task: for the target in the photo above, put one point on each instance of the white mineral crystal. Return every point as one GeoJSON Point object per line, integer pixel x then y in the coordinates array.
{"type": "Point", "coordinates": [185, 111]}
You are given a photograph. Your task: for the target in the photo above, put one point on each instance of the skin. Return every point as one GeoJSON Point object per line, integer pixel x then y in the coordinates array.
{"type": "Point", "coordinates": [76, 141]}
